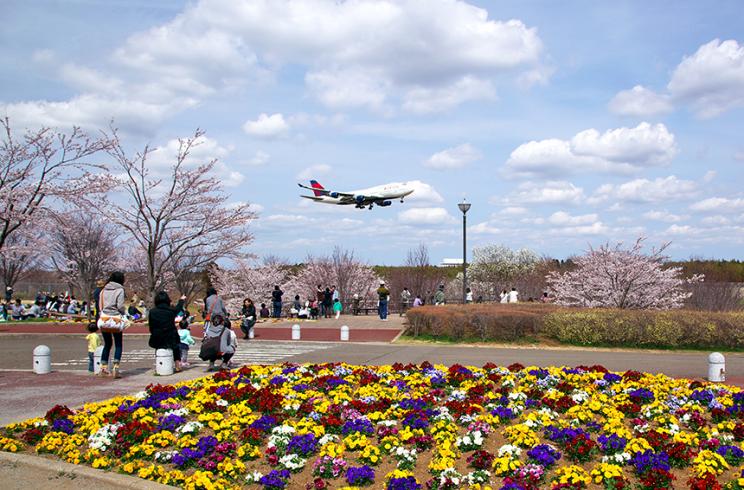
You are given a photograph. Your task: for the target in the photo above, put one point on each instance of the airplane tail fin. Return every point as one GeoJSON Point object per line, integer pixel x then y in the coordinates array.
{"type": "Point", "coordinates": [315, 185]}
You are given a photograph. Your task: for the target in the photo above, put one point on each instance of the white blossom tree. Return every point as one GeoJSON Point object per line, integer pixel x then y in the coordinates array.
{"type": "Point", "coordinates": [494, 267]}
{"type": "Point", "coordinates": [616, 277]}
{"type": "Point", "coordinates": [246, 279]}
{"type": "Point", "coordinates": [180, 214]}
{"type": "Point", "coordinates": [40, 166]}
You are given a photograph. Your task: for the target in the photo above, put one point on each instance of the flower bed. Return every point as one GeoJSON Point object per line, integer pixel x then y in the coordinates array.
{"type": "Point", "coordinates": [408, 427]}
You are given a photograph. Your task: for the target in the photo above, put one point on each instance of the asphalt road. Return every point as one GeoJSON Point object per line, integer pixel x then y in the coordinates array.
{"type": "Point", "coordinates": [69, 353]}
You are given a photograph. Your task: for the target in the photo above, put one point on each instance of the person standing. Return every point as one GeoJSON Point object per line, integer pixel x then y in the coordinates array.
{"type": "Point", "coordinates": [513, 295]}
{"type": "Point", "coordinates": [93, 343]}
{"type": "Point", "coordinates": [162, 323]}
{"type": "Point", "coordinates": [249, 317]}
{"type": "Point", "coordinates": [383, 294]}
{"type": "Point", "coordinates": [327, 303]}
{"type": "Point", "coordinates": [8, 294]}
{"type": "Point", "coordinates": [213, 305]}
{"type": "Point", "coordinates": [186, 341]}
{"type": "Point", "coordinates": [111, 300]}
{"type": "Point", "coordinates": [405, 300]}
{"type": "Point", "coordinates": [468, 295]}
{"type": "Point", "coordinates": [276, 301]}
{"type": "Point", "coordinates": [320, 295]}
{"type": "Point", "coordinates": [504, 296]}
{"type": "Point", "coordinates": [337, 308]}
{"type": "Point", "coordinates": [355, 304]}
{"type": "Point", "coordinates": [439, 296]}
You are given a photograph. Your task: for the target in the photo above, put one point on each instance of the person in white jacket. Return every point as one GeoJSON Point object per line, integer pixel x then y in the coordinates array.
{"type": "Point", "coordinates": [513, 295]}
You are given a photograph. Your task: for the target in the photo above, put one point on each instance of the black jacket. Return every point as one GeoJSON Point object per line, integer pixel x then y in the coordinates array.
{"type": "Point", "coordinates": [163, 330]}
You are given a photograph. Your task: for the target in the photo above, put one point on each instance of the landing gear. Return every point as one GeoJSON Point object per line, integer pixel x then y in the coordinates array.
{"type": "Point", "coordinates": [401, 200]}
{"type": "Point", "coordinates": [371, 206]}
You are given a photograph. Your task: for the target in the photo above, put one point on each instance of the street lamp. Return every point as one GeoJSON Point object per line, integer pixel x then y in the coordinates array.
{"type": "Point", "coordinates": [464, 207]}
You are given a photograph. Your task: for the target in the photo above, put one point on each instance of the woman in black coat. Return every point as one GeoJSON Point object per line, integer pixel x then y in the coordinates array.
{"type": "Point", "coordinates": [162, 322]}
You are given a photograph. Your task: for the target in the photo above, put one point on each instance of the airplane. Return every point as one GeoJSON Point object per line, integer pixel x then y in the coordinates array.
{"type": "Point", "coordinates": [381, 195]}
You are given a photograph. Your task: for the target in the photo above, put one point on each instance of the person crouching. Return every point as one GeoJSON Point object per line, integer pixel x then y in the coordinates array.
{"type": "Point", "coordinates": [162, 322]}
{"type": "Point", "coordinates": [218, 327]}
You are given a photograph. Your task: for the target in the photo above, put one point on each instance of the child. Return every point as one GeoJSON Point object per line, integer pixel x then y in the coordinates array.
{"type": "Point", "coordinates": [94, 341]}
{"type": "Point", "coordinates": [186, 340]}
{"type": "Point", "coordinates": [337, 307]}
{"type": "Point", "coordinates": [314, 310]}
{"type": "Point", "coordinates": [265, 313]}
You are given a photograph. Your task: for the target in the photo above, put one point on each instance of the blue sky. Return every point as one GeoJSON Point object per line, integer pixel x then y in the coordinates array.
{"type": "Point", "coordinates": [564, 123]}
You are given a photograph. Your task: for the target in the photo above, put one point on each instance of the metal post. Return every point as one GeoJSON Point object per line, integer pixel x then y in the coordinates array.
{"type": "Point", "coordinates": [464, 207]}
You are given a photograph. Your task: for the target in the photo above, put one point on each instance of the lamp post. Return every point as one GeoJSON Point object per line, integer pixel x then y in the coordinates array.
{"type": "Point", "coordinates": [464, 207]}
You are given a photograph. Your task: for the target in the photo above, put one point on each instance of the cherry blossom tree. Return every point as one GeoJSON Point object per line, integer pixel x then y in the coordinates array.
{"type": "Point", "coordinates": [176, 215]}
{"type": "Point", "coordinates": [340, 269]}
{"type": "Point", "coordinates": [83, 251]}
{"type": "Point", "coordinates": [41, 166]}
{"type": "Point", "coordinates": [24, 251]}
{"type": "Point", "coordinates": [247, 279]}
{"type": "Point", "coordinates": [616, 277]}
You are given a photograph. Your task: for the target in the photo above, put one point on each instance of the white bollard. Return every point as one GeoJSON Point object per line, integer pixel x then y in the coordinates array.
{"type": "Point", "coordinates": [250, 333]}
{"type": "Point", "coordinates": [295, 332]}
{"type": "Point", "coordinates": [344, 332]}
{"type": "Point", "coordinates": [42, 359]}
{"type": "Point", "coordinates": [716, 367]}
{"type": "Point", "coordinates": [97, 360]}
{"type": "Point", "coordinates": [163, 362]}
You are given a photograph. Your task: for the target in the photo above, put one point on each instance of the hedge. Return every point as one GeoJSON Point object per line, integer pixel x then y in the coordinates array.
{"type": "Point", "coordinates": [595, 327]}
{"type": "Point", "coordinates": [503, 322]}
{"type": "Point", "coordinates": [647, 328]}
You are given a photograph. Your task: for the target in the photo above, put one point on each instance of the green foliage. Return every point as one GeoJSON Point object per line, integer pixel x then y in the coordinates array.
{"type": "Point", "coordinates": [630, 328]}
{"type": "Point", "coordinates": [671, 329]}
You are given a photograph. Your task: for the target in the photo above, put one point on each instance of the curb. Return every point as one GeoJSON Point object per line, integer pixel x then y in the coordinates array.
{"type": "Point", "coordinates": [115, 480]}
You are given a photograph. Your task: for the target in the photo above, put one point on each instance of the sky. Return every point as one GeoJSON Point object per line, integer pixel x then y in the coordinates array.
{"type": "Point", "coordinates": [565, 124]}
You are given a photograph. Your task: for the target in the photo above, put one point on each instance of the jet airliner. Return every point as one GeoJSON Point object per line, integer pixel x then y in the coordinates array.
{"type": "Point", "coordinates": [381, 195]}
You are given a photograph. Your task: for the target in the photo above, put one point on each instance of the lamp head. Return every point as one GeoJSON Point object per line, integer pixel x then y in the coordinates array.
{"type": "Point", "coordinates": [464, 206]}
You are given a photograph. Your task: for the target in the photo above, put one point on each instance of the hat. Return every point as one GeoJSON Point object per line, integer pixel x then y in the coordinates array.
{"type": "Point", "coordinates": [382, 283]}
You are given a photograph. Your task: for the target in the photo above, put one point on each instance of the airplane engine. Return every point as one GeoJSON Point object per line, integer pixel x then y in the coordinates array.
{"type": "Point", "coordinates": [334, 195]}
{"type": "Point", "coordinates": [384, 203]}
{"type": "Point", "coordinates": [359, 199]}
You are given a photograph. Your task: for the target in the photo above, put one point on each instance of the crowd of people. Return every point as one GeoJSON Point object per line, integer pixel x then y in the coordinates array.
{"type": "Point", "coordinates": [44, 305]}
{"type": "Point", "coordinates": [169, 325]}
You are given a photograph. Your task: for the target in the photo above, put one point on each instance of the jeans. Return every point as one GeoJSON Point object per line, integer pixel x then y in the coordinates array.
{"type": "Point", "coordinates": [109, 339]}
{"type": "Point", "coordinates": [91, 367]}
{"type": "Point", "coordinates": [277, 309]}
{"type": "Point", "coordinates": [184, 352]}
{"type": "Point", "coordinates": [382, 309]}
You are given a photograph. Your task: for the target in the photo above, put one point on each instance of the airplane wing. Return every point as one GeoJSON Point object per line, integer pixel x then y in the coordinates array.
{"type": "Point", "coordinates": [326, 192]}
{"type": "Point", "coordinates": [312, 198]}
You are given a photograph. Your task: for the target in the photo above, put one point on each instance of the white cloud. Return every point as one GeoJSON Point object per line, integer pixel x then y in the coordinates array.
{"type": "Point", "coordinates": [259, 158]}
{"type": "Point", "coordinates": [562, 218]}
{"type": "Point", "coordinates": [456, 157]}
{"type": "Point", "coordinates": [739, 155]}
{"type": "Point", "coordinates": [644, 190]}
{"type": "Point", "coordinates": [640, 101]}
{"type": "Point", "coordinates": [596, 228]}
{"type": "Point", "coordinates": [711, 81]}
{"type": "Point", "coordinates": [709, 176]}
{"type": "Point", "coordinates": [423, 192]}
{"type": "Point", "coordinates": [679, 230]}
{"type": "Point", "coordinates": [716, 221]}
{"type": "Point", "coordinates": [485, 228]}
{"type": "Point", "coordinates": [664, 216]}
{"type": "Point", "coordinates": [511, 211]}
{"type": "Point", "coordinates": [314, 171]}
{"type": "Point", "coordinates": [425, 216]}
{"type": "Point", "coordinates": [424, 100]}
{"type": "Point", "coordinates": [720, 204]}
{"type": "Point", "coordinates": [204, 150]}
{"type": "Point", "coordinates": [552, 192]}
{"type": "Point", "coordinates": [267, 126]}
{"type": "Point", "coordinates": [621, 150]}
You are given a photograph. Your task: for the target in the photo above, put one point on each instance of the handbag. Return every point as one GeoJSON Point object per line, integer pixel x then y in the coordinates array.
{"type": "Point", "coordinates": [111, 323]}
{"type": "Point", "coordinates": [210, 347]}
